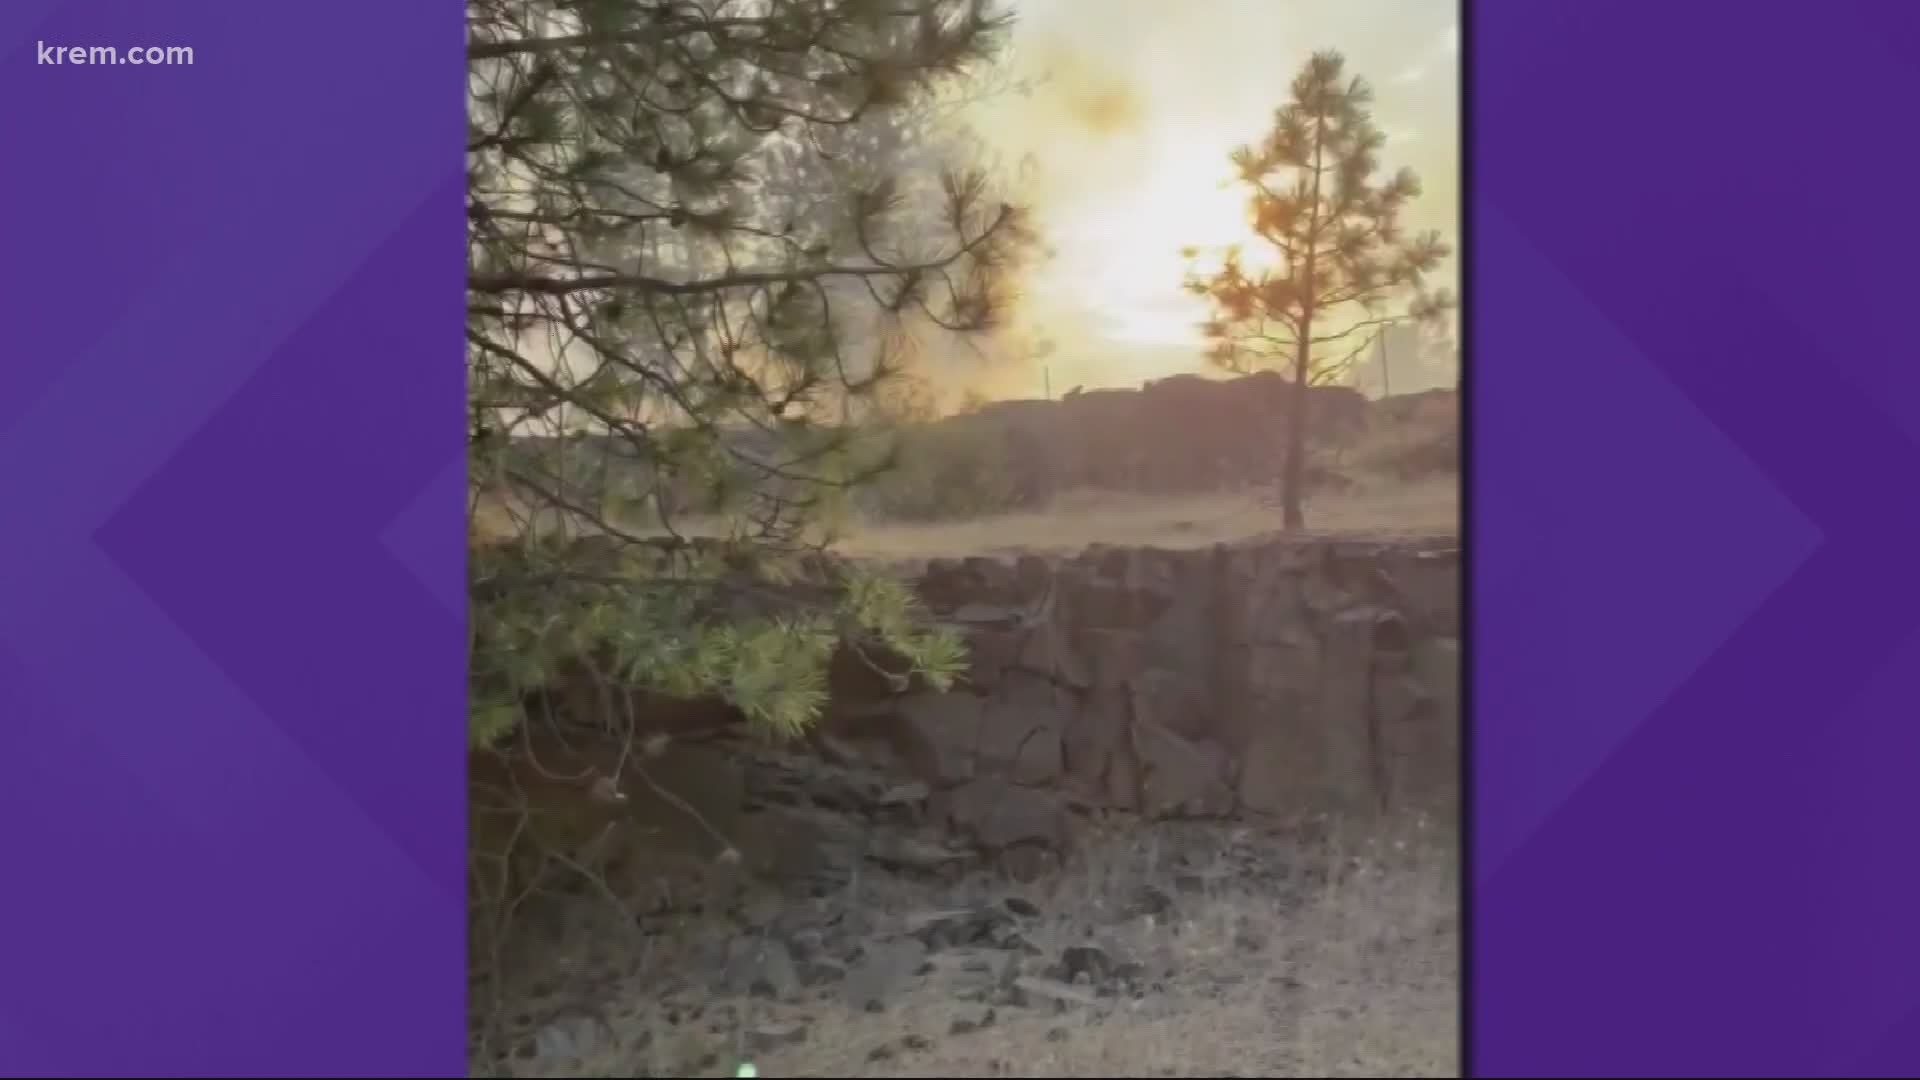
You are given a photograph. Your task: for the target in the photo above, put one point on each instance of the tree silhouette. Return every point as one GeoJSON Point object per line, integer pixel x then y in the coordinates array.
{"type": "Point", "coordinates": [1341, 265]}
{"type": "Point", "coordinates": [700, 240]}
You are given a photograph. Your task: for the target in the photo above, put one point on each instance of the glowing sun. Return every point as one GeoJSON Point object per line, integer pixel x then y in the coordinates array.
{"type": "Point", "coordinates": [1120, 250]}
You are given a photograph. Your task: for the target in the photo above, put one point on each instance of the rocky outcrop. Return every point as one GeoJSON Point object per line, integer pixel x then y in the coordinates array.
{"type": "Point", "coordinates": [1180, 434]}
{"type": "Point", "coordinates": [1285, 678]}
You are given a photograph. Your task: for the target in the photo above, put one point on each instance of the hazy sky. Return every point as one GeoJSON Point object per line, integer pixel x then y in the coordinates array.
{"type": "Point", "coordinates": [1129, 136]}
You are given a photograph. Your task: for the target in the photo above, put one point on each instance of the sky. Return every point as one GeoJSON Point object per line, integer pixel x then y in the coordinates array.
{"type": "Point", "coordinates": [1125, 142]}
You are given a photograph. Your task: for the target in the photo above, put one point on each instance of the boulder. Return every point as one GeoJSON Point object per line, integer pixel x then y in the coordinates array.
{"type": "Point", "coordinates": [998, 814]}
{"type": "Point", "coordinates": [938, 735]}
{"type": "Point", "coordinates": [1181, 778]}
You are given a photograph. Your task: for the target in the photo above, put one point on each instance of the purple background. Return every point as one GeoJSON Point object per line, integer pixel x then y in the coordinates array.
{"type": "Point", "coordinates": [1695, 397]}
{"type": "Point", "coordinates": [231, 541]}
{"type": "Point", "coordinates": [230, 548]}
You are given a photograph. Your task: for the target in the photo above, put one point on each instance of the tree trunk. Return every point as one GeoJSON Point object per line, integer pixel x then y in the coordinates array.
{"type": "Point", "coordinates": [1293, 468]}
{"type": "Point", "coordinates": [1293, 471]}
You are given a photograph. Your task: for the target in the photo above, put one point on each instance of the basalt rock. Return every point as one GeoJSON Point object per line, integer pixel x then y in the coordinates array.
{"type": "Point", "coordinates": [1282, 677]}
{"type": "Point", "coordinates": [1285, 677]}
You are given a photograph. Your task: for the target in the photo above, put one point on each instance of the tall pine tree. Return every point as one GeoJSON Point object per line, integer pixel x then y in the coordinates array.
{"type": "Point", "coordinates": [1341, 265]}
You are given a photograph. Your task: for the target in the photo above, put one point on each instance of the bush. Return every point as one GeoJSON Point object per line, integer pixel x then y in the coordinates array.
{"type": "Point", "coordinates": [950, 470]}
{"type": "Point", "coordinates": [687, 621]}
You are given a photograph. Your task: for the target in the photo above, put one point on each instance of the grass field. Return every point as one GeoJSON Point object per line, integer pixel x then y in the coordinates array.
{"type": "Point", "coordinates": [1078, 519]}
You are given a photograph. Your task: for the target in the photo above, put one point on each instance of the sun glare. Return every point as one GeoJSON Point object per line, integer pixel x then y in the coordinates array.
{"type": "Point", "coordinates": [1122, 249]}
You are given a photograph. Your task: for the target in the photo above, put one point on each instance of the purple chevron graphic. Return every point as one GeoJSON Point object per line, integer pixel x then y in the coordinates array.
{"type": "Point", "coordinates": [235, 714]}
{"type": "Point", "coordinates": [417, 537]}
{"type": "Point", "coordinates": [200, 537]}
{"type": "Point", "coordinates": [1730, 890]}
{"type": "Point", "coordinates": [1733, 549]}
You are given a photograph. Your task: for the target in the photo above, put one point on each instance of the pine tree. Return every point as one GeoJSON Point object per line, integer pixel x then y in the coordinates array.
{"type": "Point", "coordinates": [1342, 266]}
{"type": "Point", "coordinates": [701, 239]}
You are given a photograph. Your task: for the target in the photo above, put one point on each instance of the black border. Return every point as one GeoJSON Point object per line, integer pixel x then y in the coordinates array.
{"type": "Point", "coordinates": [1464, 398]}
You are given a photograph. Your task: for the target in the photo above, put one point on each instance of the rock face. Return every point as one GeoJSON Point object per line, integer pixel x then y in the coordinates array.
{"type": "Point", "coordinates": [1281, 677]}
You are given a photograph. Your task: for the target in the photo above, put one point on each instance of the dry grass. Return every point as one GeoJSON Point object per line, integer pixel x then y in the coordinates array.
{"type": "Point", "coordinates": [1079, 519]}
{"type": "Point", "coordinates": [1280, 962]}
{"type": "Point", "coordinates": [1377, 504]}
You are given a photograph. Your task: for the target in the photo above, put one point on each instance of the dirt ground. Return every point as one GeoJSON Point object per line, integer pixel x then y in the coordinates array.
{"type": "Point", "coordinates": [1181, 949]}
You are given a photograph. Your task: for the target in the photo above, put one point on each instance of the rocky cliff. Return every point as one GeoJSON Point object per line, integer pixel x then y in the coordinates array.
{"type": "Point", "coordinates": [1279, 679]}
{"type": "Point", "coordinates": [1287, 678]}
